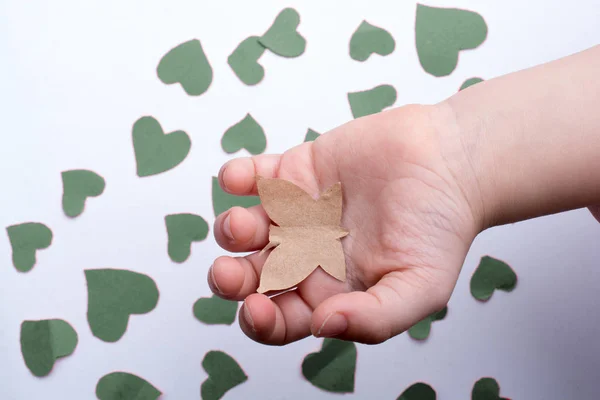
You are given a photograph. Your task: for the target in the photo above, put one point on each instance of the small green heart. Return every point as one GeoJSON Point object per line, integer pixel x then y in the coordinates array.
{"type": "Point", "coordinates": [311, 135]}
{"type": "Point", "coordinates": [215, 310]}
{"type": "Point", "coordinates": [125, 386]}
{"type": "Point", "coordinates": [224, 374]}
{"type": "Point", "coordinates": [369, 39]}
{"type": "Point", "coordinates": [45, 341]}
{"type": "Point", "coordinates": [186, 64]}
{"type": "Point", "coordinates": [441, 33]}
{"type": "Point", "coordinates": [182, 230]}
{"type": "Point", "coordinates": [155, 151]}
{"type": "Point", "coordinates": [418, 391]}
{"type": "Point", "coordinates": [244, 61]}
{"type": "Point", "coordinates": [282, 37]}
{"type": "Point", "coordinates": [371, 101]}
{"type": "Point", "coordinates": [246, 134]}
{"type": "Point", "coordinates": [78, 185]}
{"type": "Point", "coordinates": [223, 201]}
{"type": "Point", "coordinates": [420, 331]}
{"type": "Point", "coordinates": [486, 389]}
{"type": "Point", "coordinates": [492, 274]}
{"type": "Point", "coordinates": [115, 294]}
{"type": "Point", "coordinates": [469, 82]}
{"type": "Point", "coordinates": [25, 240]}
{"type": "Point", "coordinates": [333, 367]}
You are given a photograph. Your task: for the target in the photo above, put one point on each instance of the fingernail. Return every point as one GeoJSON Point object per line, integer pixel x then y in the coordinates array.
{"type": "Point", "coordinates": [212, 278]}
{"type": "Point", "coordinates": [335, 324]}
{"type": "Point", "coordinates": [227, 227]}
{"type": "Point", "coordinates": [222, 177]}
{"type": "Point", "coordinates": [248, 317]}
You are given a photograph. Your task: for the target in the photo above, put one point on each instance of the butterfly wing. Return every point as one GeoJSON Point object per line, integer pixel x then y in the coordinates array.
{"type": "Point", "coordinates": [285, 267]}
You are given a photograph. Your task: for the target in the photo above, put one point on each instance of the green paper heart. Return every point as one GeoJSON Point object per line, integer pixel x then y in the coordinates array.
{"type": "Point", "coordinates": [215, 310]}
{"type": "Point", "coordinates": [223, 201]}
{"type": "Point", "coordinates": [311, 135]}
{"type": "Point", "coordinates": [224, 374]}
{"type": "Point", "coordinates": [469, 82]}
{"type": "Point", "coordinates": [45, 341]}
{"type": "Point", "coordinates": [441, 33]}
{"type": "Point", "coordinates": [244, 61]}
{"type": "Point", "coordinates": [282, 37]}
{"type": "Point", "coordinates": [25, 240]}
{"type": "Point", "coordinates": [187, 65]}
{"type": "Point", "coordinates": [371, 101]}
{"type": "Point", "coordinates": [420, 331]}
{"type": "Point", "coordinates": [78, 185]}
{"type": "Point", "coordinates": [418, 391]}
{"type": "Point", "coordinates": [492, 274]}
{"type": "Point", "coordinates": [369, 39]}
{"type": "Point", "coordinates": [114, 295]}
{"type": "Point", "coordinates": [333, 368]}
{"type": "Point", "coordinates": [486, 389]}
{"type": "Point", "coordinates": [155, 151]}
{"type": "Point", "coordinates": [182, 230]}
{"type": "Point", "coordinates": [125, 386]}
{"type": "Point", "coordinates": [246, 134]}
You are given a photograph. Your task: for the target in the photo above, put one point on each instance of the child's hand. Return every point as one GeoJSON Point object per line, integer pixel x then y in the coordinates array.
{"type": "Point", "coordinates": [409, 219]}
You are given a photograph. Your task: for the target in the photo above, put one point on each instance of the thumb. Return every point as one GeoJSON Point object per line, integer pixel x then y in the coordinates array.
{"type": "Point", "coordinates": [385, 310]}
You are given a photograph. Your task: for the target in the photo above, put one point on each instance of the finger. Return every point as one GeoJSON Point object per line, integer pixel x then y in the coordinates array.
{"type": "Point", "coordinates": [397, 302]}
{"type": "Point", "coordinates": [241, 230]}
{"type": "Point", "coordinates": [236, 278]}
{"type": "Point", "coordinates": [238, 176]}
{"type": "Point", "coordinates": [275, 321]}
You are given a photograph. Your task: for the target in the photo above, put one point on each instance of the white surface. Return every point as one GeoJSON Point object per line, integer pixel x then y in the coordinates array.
{"type": "Point", "coordinates": [74, 77]}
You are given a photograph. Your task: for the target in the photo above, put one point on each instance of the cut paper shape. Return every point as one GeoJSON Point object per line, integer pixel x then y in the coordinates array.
{"type": "Point", "coordinates": [224, 373]}
{"type": "Point", "coordinates": [469, 82]}
{"type": "Point", "coordinates": [282, 38]}
{"type": "Point", "coordinates": [245, 134]}
{"type": "Point", "coordinates": [492, 274]}
{"type": "Point", "coordinates": [182, 230]}
{"type": "Point", "coordinates": [25, 240]}
{"type": "Point", "coordinates": [307, 234]}
{"type": "Point", "coordinates": [371, 101]}
{"type": "Point", "coordinates": [333, 368]}
{"type": "Point", "coordinates": [223, 201]}
{"type": "Point", "coordinates": [311, 135]}
{"type": "Point", "coordinates": [114, 295]}
{"type": "Point", "coordinates": [187, 65]}
{"type": "Point", "coordinates": [369, 39]}
{"type": "Point", "coordinates": [125, 386]}
{"type": "Point", "coordinates": [420, 331]}
{"type": "Point", "coordinates": [244, 61]}
{"type": "Point", "coordinates": [418, 391]}
{"type": "Point", "coordinates": [486, 389]}
{"type": "Point", "coordinates": [441, 33]}
{"type": "Point", "coordinates": [45, 341]}
{"type": "Point", "coordinates": [78, 185]}
{"type": "Point", "coordinates": [155, 151]}
{"type": "Point", "coordinates": [215, 310]}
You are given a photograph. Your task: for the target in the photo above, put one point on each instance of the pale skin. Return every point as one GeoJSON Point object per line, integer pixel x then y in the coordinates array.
{"type": "Point", "coordinates": [419, 183]}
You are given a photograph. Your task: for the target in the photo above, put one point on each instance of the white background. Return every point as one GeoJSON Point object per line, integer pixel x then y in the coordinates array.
{"type": "Point", "coordinates": [76, 75]}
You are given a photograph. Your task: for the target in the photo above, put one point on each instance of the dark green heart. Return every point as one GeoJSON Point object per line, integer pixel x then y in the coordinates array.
{"type": "Point", "coordinates": [125, 386]}
{"type": "Point", "coordinates": [156, 152]}
{"type": "Point", "coordinates": [486, 389]}
{"type": "Point", "coordinates": [246, 134]}
{"type": "Point", "coordinates": [187, 65]}
{"type": "Point", "coordinates": [492, 274]}
{"type": "Point", "coordinates": [45, 341]}
{"type": "Point", "coordinates": [333, 367]}
{"type": "Point", "coordinates": [224, 374]}
{"type": "Point", "coordinates": [25, 240]}
{"type": "Point", "coordinates": [244, 61]}
{"type": "Point", "coordinates": [311, 135]}
{"type": "Point", "coordinates": [371, 101]}
{"type": "Point", "coordinates": [223, 201]}
{"type": "Point", "coordinates": [182, 230]}
{"type": "Point", "coordinates": [369, 39]}
{"type": "Point", "coordinates": [282, 37]}
{"type": "Point", "coordinates": [441, 33]}
{"type": "Point", "coordinates": [469, 82]}
{"type": "Point", "coordinates": [215, 310]}
{"type": "Point", "coordinates": [114, 295]}
{"type": "Point", "coordinates": [421, 329]}
{"type": "Point", "coordinates": [418, 391]}
{"type": "Point", "coordinates": [78, 185]}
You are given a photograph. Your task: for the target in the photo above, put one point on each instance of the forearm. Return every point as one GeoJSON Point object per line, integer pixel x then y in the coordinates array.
{"type": "Point", "coordinates": [531, 140]}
